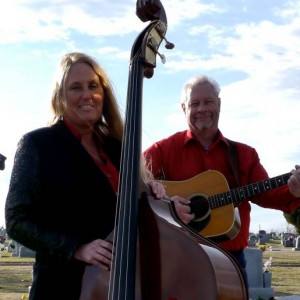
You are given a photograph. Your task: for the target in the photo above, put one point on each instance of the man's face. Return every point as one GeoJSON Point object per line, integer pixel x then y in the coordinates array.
{"type": "Point", "coordinates": [202, 108]}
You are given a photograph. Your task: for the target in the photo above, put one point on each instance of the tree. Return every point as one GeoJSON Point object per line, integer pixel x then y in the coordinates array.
{"type": "Point", "coordinates": [294, 219]}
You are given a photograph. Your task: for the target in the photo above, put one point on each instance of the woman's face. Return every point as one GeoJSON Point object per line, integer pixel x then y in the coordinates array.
{"type": "Point", "coordinates": [84, 96]}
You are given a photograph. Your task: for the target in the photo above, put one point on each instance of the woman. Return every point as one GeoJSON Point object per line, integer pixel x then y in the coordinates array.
{"type": "Point", "coordinates": [62, 196]}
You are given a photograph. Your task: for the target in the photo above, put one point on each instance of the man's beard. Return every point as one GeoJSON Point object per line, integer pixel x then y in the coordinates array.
{"type": "Point", "coordinates": [201, 126]}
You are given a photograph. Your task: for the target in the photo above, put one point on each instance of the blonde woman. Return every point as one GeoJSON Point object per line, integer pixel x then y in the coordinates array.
{"type": "Point", "coordinates": [62, 196]}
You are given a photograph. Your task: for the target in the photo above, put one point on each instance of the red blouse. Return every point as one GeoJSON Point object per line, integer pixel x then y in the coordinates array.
{"type": "Point", "coordinates": [107, 168]}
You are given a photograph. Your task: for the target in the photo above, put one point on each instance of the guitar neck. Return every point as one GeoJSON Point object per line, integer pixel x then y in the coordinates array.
{"type": "Point", "coordinates": [237, 195]}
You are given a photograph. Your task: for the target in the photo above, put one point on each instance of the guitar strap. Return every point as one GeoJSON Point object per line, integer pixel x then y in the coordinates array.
{"type": "Point", "coordinates": [234, 161]}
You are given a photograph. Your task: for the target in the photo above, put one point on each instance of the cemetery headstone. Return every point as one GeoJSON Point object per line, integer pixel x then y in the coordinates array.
{"type": "Point", "coordinates": [297, 246]}
{"type": "Point", "coordinates": [259, 282]}
{"type": "Point", "coordinates": [26, 252]}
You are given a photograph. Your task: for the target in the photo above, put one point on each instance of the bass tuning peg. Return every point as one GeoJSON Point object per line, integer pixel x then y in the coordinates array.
{"type": "Point", "coordinates": [168, 45]}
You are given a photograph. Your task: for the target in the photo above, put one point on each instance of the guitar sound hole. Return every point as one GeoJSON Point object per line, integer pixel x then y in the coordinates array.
{"type": "Point", "coordinates": [199, 206]}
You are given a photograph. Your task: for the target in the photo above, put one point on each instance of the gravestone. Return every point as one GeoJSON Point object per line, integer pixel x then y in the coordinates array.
{"type": "Point", "coordinates": [15, 246]}
{"type": "Point", "coordinates": [297, 246]}
{"type": "Point", "coordinates": [259, 282]}
{"type": "Point", "coordinates": [26, 252]}
{"type": "Point", "coordinates": [252, 241]}
{"type": "Point", "coordinates": [263, 237]}
{"type": "Point", "coordinates": [288, 243]}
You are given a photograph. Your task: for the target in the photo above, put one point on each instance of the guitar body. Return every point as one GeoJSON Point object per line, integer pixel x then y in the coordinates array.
{"type": "Point", "coordinates": [202, 268]}
{"type": "Point", "coordinates": [218, 224]}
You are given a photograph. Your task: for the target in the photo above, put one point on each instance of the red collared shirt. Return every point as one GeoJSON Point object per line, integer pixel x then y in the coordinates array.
{"type": "Point", "coordinates": [107, 168]}
{"type": "Point", "coordinates": [180, 157]}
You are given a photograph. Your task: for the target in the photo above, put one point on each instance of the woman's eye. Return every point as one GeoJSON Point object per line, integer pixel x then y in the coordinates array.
{"type": "Point", "coordinates": [94, 86]}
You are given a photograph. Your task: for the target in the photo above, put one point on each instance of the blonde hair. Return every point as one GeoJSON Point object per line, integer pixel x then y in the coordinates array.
{"type": "Point", "coordinates": [110, 123]}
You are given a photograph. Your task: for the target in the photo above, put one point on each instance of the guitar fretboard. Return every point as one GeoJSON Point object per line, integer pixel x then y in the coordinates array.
{"type": "Point", "coordinates": [237, 195]}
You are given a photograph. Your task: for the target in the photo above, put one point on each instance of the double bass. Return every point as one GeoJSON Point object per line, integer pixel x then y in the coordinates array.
{"type": "Point", "coordinates": [156, 257]}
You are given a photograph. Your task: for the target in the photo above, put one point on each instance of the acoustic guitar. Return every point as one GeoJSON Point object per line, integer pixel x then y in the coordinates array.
{"type": "Point", "coordinates": [214, 205]}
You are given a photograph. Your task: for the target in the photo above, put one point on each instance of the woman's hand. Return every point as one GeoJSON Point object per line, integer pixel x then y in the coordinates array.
{"type": "Point", "coordinates": [98, 253]}
{"type": "Point", "coordinates": [183, 209]}
{"type": "Point", "coordinates": [157, 189]}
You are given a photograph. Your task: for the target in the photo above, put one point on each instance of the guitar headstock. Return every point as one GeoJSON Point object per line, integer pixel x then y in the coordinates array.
{"type": "Point", "coordinates": [151, 37]}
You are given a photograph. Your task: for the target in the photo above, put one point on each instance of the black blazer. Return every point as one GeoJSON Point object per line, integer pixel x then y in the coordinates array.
{"type": "Point", "coordinates": [58, 198]}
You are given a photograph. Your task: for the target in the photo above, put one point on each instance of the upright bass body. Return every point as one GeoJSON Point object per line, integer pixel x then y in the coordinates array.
{"type": "Point", "coordinates": [172, 263]}
{"type": "Point", "coordinates": [155, 256]}
{"type": "Point", "coordinates": [177, 265]}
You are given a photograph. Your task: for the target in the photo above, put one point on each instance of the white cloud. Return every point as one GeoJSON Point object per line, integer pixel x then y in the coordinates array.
{"type": "Point", "coordinates": [113, 53]}
{"type": "Point", "coordinates": [181, 10]}
{"type": "Point", "coordinates": [43, 21]}
{"type": "Point", "coordinates": [253, 49]}
{"type": "Point", "coordinates": [207, 29]}
{"type": "Point", "coordinates": [21, 23]}
{"type": "Point", "coordinates": [291, 10]}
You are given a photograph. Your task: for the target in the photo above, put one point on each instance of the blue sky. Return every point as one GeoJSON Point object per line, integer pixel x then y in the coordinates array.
{"type": "Point", "coordinates": [251, 48]}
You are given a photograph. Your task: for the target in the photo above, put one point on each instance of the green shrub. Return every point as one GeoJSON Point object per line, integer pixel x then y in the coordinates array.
{"type": "Point", "coordinates": [262, 247]}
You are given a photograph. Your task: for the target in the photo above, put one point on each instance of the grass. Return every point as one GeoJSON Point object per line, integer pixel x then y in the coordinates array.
{"type": "Point", "coordinates": [15, 277]}
{"type": "Point", "coordinates": [285, 269]}
{"type": "Point", "coordinates": [15, 273]}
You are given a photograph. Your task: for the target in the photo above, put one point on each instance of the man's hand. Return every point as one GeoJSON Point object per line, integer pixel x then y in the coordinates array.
{"type": "Point", "coordinates": [294, 182]}
{"type": "Point", "coordinates": [183, 209]}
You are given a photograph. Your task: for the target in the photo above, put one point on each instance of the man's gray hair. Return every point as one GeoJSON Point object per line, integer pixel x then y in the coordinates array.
{"type": "Point", "coordinates": [198, 79]}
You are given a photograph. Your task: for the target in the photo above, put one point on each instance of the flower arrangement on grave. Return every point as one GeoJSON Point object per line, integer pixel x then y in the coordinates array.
{"type": "Point", "coordinates": [268, 264]}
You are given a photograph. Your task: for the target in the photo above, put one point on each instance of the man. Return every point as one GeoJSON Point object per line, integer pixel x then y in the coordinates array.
{"type": "Point", "coordinates": [203, 147]}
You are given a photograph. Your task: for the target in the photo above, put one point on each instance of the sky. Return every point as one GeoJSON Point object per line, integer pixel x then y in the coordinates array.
{"type": "Point", "coordinates": [252, 49]}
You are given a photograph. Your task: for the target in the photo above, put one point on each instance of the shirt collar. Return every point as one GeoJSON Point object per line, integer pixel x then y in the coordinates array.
{"type": "Point", "coordinates": [78, 136]}
{"type": "Point", "coordinates": [76, 133]}
{"type": "Point", "coordinates": [72, 129]}
{"type": "Point", "coordinates": [189, 136]}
